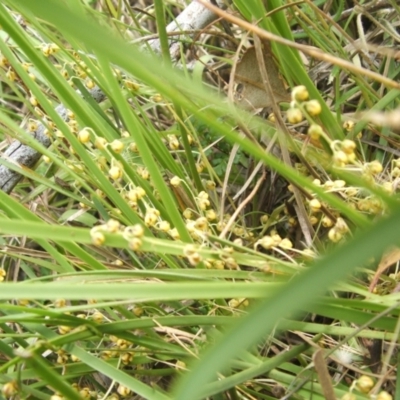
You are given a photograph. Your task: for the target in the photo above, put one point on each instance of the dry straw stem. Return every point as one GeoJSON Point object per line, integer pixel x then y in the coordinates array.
{"type": "Point", "coordinates": [311, 51]}
{"type": "Point", "coordinates": [194, 17]}
{"type": "Point", "coordinates": [242, 206]}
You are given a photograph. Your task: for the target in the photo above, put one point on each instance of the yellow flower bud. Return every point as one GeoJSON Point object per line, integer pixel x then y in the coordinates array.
{"type": "Point", "coordinates": [315, 131]}
{"type": "Point", "coordinates": [384, 396]}
{"type": "Point", "coordinates": [267, 242]}
{"type": "Point", "coordinates": [89, 84]}
{"type": "Point", "coordinates": [375, 167]}
{"type": "Point", "coordinates": [294, 115]}
{"type": "Point", "coordinates": [100, 143]}
{"type": "Point", "coordinates": [84, 135]}
{"type": "Point", "coordinates": [313, 107]}
{"type": "Point", "coordinates": [113, 225]}
{"type": "Point", "coordinates": [187, 213]}
{"type": "Point", "coordinates": [348, 125]}
{"type": "Point", "coordinates": [326, 222]}
{"type": "Point", "coordinates": [115, 173]}
{"type": "Point", "coordinates": [334, 235]}
{"type": "Point", "coordinates": [175, 181]}
{"type": "Point", "coordinates": [364, 383]}
{"type": "Point", "coordinates": [164, 226]}
{"type": "Point", "coordinates": [315, 205]}
{"type": "Point", "coordinates": [117, 146]}
{"type": "Point", "coordinates": [123, 391]}
{"type": "Point", "coordinates": [9, 389]}
{"type": "Point", "coordinates": [97, 237]}
{"type": "Point", "coordinates": [348, 146]}
{"type": "Point", "coordinates": [285, 244]}
{"type": "Point", "coordinates": [300, 93]}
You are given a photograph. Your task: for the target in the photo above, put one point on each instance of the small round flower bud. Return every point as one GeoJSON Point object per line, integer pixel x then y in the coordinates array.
{"type": "Point", "coordinates": [123, 391]}
{"type": "Point", "coordinates": [140, 192]}
{"type": "Point", "coordinates": [175, 181]}
{"type": "Point", "coordinates": [113, 225]}
{"type": "Point", "coordinates": [135, 244]}
{"type": "Point", "coordinates": [334, 235]}
{"type": "Point", "coordinates": [9, 389]}
{"type": "Point", "coordinates": [97, 237]}
{"type": "Point", "coordinates": [151, 217]}
{"type": "Point", "coordinates": [32, 125]}
{"type": "Point", "coordinates": [164, 226]}
{"type": "Point", "coordinates": [89, 84]}
{"type": "Point", "coordinates": [59, 303]}
{"type": "Point", "coordinates": [315, 205]}
{"type": "Point", "coordinates": [97, 317]}
{"type": "Point", "coordinates": [300, 93]}
{"type": "Point", "coordinates": [210, 185]}
{"type": "Point", "coordinates": [315, 131]}
{"type": "Point", "coordinates": [173, 142]}
{"type": "Point", "coordinates": [294, 115]}
{"type": "Point", "coordinates": [157, 98]}
{"type": "Point", "coordinates": [384, 396]}
{"type": "Point", "coordinates": [115, 173]}
{"type": "Point", "coordinates": [144, 173]}
{"type": "Point", "coordinates": [131, 85]}
{"type": "Point", "coordinates": [3, 62]}
{"type": "Point", "coordinates": [200, 167]}
{"type": "Point", "coordinates": [180, 365]}
{"type": "Point", "coordinates": [211, 215]}
{"type": "Point", "coordinates": [194, 259]}
{"type": "Point", "coordinates": [100, 143]}
{"type": "Point", "coordinates": [340, 158]}
{"type": "Point", "coordinates": [117, 146]}
{"type": "Point", "coordinates": [187, 213]}
{"type": "Point", "coordinates": [313, 107]}
{"type": "Point", "coordinates": [339, 183]}
{"type": "Point", "coordinates": [375, 167]}
{"type": "Point", "coordinates": [136, 230]}
{"type": "Point", "coordinates": [33, 101]}
{"type": "Point", "coordinates": [133, 147]}
{"type": "Point", "coordinates": [326, 222]}
{"type": "Point", "coordinates": [84, 135]}
{"type": "Point", "coordinates": [267, 242]}
{"type": "Point", "coordinates": [285, 244]}
{"type": "Point", "coordinates": [388, 187]}
{"type": "Point", "coordinates": [11, 75]}
{"type": "Point", "coordinates": [364, 383]}
{"type": "Point", "coordinates": [174, 234]}
{"type": "Point", "coordinates": [348, 146]}
{"type": "Point", "coordinates": [348, 125]}
{"type": "Point", "coordinates": [64, 329]}
{"type": "Point", "coordinates": [201, 224]}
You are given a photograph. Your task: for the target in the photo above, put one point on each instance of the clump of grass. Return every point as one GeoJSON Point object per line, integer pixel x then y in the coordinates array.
{"type": "Point", "coordinates": [168, 245]}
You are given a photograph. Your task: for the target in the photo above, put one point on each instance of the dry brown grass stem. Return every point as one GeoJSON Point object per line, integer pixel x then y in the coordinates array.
{"type": "Point", "coordinates": [310, 50]}
{"type": "Point", "coordinates": [241, 206]}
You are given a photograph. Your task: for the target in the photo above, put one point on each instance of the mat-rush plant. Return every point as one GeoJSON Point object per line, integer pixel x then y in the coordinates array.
{"type": "Point", "coordinates": [138, 273]}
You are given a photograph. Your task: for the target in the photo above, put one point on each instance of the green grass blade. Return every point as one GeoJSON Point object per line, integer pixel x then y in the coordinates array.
{"type": "Point", "coordinates": [299, 293]}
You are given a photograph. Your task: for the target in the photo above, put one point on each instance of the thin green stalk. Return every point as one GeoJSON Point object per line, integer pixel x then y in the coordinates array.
{"type": "Point", "coordinates": [162, 32]}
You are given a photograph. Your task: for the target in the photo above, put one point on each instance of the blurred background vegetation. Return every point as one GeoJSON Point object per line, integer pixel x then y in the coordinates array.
{"type": "Point", "coordinates": [205, 215]}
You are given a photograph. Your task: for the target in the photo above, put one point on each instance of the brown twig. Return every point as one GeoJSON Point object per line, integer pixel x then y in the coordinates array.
{"type": "Point", "coordinates": [241, 206]}
{"type": "Point", "coordinates": [311, 51]}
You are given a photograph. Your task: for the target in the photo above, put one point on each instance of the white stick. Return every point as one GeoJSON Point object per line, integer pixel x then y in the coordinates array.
{"type": "Point", "coordinates": [194, 17]}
